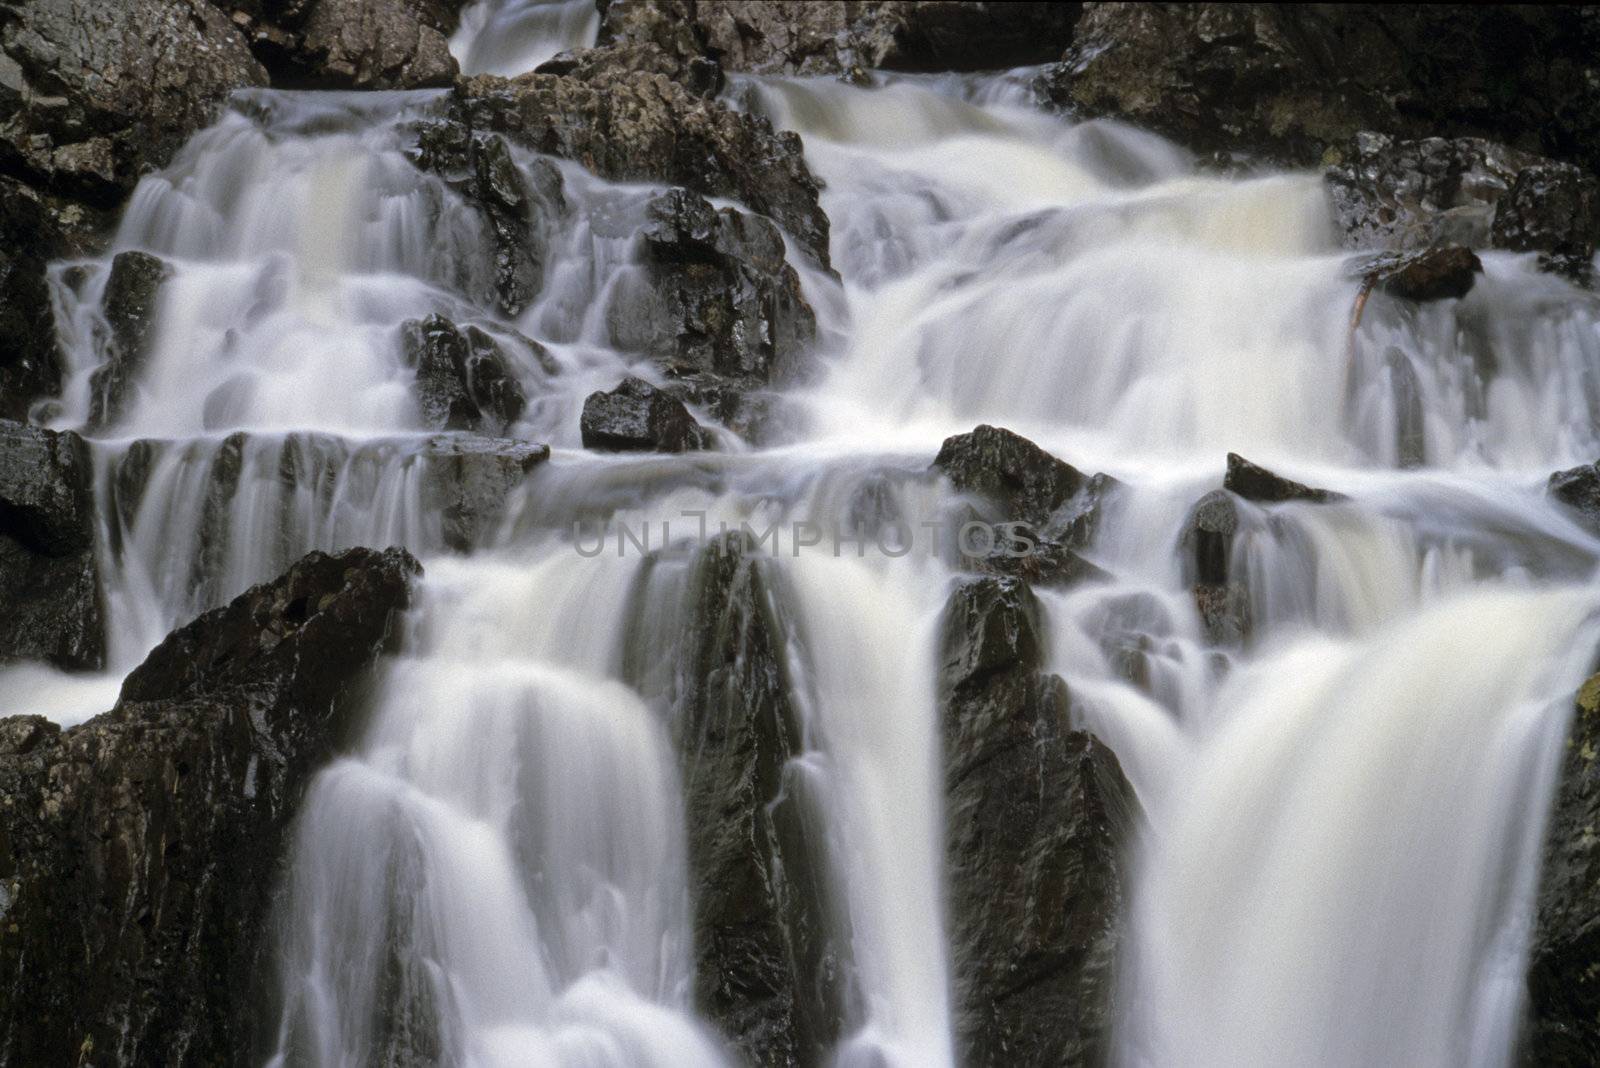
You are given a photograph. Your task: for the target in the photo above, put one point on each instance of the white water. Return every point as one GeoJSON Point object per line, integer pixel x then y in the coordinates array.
{"type": "Point", "coordinates": [1342, 820]}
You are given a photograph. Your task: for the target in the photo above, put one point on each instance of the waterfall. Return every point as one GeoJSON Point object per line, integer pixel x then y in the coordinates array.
{"type": "Point", "coordinates": [1342, 817]}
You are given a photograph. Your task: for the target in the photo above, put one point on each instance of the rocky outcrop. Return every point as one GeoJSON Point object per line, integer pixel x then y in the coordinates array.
{"type": "Point", "coordinates": [772, 966]}
{"type": "Point", "coordinates": [1563, 1025]}
{"type": "Point", "coordinates": [350, 44]}
{"type": "Point", "coordinates": [467, 481]}
{"type": "Point", "coordinates": [49, 578]}
{"type": "Point", "coordinates": [1287, 82]}
{"type": "Point", "coordinates": [638, 417]}
{"type": "Point", "coordinates": [1579, 489]}
{"type": "Point", "coordinates": [140, 850]}
{"type": "Point", "coordinates": [464, 380]}
{"type": "Point", "coordinates": [717, 297]}
{"type": "Point", "coordinates": [1420, 276]}
{"type": "Point", "coordinates": [846, 38]}
{"type": "Point", "coordinates": [628, 125]}
{"type": "Point", "coordinates": [1435, 191]}
{"type": "Point", "coordinates": [1038, 818]}
{"type": "Point", "coordinates": [1255, 483]}
{"type": "Point", "coordinates": [94, 94]}
{"type": "Point", "coordinates": [30, 367]}
{"type": "Point", "coordinates": [130, 304]}
{"type": "Point", "coordinates": [520, 213]}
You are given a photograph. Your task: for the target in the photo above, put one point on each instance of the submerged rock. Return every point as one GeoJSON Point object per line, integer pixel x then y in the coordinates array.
{"type": "Point", "coordinates": [142, 849]}
{"type": "Point", "coordinates": [1563, 1024]}
{"type": "Point", "coordinates": [1256, 483]}
{"type": "Point", "coordinates": [130, 302]}
{"type": "Point", "coordinates": [468, 479]}
{"type": "Point", "coordinates": [638, 417]}
{"type": "Point", "coordinates": [49, 577]}
{"type": "Point", "coordinates": [351, 44]}
{"type": "Point", "coordinates": [1038, 819]}
{"type": "Point", "coordinates": [772, 961]}
{"type": "Point", "coordinates": [464, 380]}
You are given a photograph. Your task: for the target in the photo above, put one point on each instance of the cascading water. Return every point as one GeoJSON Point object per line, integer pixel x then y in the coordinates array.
{"type": "Point", "coordinates": [1341, 828]}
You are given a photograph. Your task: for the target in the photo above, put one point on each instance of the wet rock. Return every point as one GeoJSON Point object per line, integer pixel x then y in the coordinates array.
{"type": "Point", "coordinates": [93, 94]}
{"type": "Point", "coordinates": [829, 38]}
{"type": "Point", "coordinates": [131, 297]}
{"type": "Point", "coordinates": [1579, 489]}
{"type": "Point", "coordinates": [772, 963]}
{"type": "Point", "coordinates": [467, 481]}
{"type": "Point", "coordinates": [49, 577]}
{"type": "Point", "coordinates": [629, 126]}
{"type": "Point", "coordinates": [520, 213]}
{"type": "Point", "coordinates": [464, 380]}
{"type": "Point", "coordinates": [1422, 194]}
{"type": "Point", "coordinates": [1562, 1029]}
{"type": "Point", "coordinates": [1038, 818]}
{"type": "Point", "coordinates": [1288, 82]}
{"type": "Point", "coordinates": [141, 849]}
{"type": "Point", "coordinates": [30, 367]}
{"type": "Point", "coordinates": [1206, 548]}
{"type": "Point", "coordinates": [1255, 483]}
{"type": "Point", "coordinates": [350, 44]}
{"type": "Point", "coordinates": [638, 417]}
{"type": "Point", "coordinates": [1423, 275]}
{"type": "Point", "coordinates": [1025, 481]}
{"type": "Point", "coordinates": [717, 296]}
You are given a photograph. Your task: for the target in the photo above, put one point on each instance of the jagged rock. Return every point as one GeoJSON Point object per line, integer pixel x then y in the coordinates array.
{"type": "Point", "coordinates": [1206, 548]}
{"type": "Point", "coordinates": [350, 44]}
{"type": "Point", "coordinates": [1255, 483]}
{"type": "Point", "coordinates": [1038, 817]}
{"type": "Point", "coordinates": [638, 417]}
{"type": "Point", "coordinates": [1423, 275]}
{"type": "Point", "coordinates": [845, 38]}
{"type": "Point", "coordinates": [772, 961]}
{"type": "Point", "coordinates": [30, 367]}
{"type": "Point", "coordinates": [49, 578]}
{"type": "Point", "coordinates": [130, 302]}
{"type": "Point", "coordinates": [1287, 82]}
{"type": "Point", "coordinates": [467, 480]}
{"type": "Point", "coordinates": [1579, 489]}
{"type": "Point", "coordinates": [1563, 1025]}
{"type": "Point", "coordinates": [521, 214]}
{"type": "Point", "coordinates": [93, 94]}
{"type": "Point", "coordinates": [464, 381]}
{"type": "Point", "coordinates": [141, 850]}
{"type": "Point", "coordinates": [629, 126]}
{"type": "Point", "coordinates": [1464, 191]}
{"type": "Point", "coordinates": [717, 297]}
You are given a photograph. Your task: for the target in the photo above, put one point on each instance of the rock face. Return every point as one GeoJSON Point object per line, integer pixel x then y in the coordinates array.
{"type": "Point", "coordinates": [464, 380]}
{"type": "Point", "coordinates": [130, 304]}
{"type": "Point", "coordinates": [771, 971]}
{"type": "Point", "coordinates": [638, 417]}
{"type": "Point", "coordinates": [350, 44]}
{"type": "Point", "coordinates": [1206, 548]}
{"type": "Point", "coordinates": [718, 296]}
{"type": "Point", "coordinates": [847, 38]}
{"type": "Point", "coordinates": [93, 94]}
{"type": "Point", "coordinates": [626, 122]}
{"type": "Point", "coordinates": [1563, 1025]}
{"type": "Point", "coordinates": [1255, 483]}
{"type": "Point", "coordinates": [49, 578]}
{"type": "Point", "coordinates": [1464, 191]}
{"type": "Point", "coordinates": [1038, 819]}
{"type": "Point", "coordinates": [1579, 489]}
{"type": "Point", "coordinates": [140, 850]}
{"type": "Point", "coordinates": [1286, 82]}
{"type": "Point", "coordinates": [30, 367]}
{"type": "Point", "coordinates": [467, 480]}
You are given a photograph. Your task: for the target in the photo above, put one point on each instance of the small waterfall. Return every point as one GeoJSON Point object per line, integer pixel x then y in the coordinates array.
{"type": "Point", "coordinates": [512, 37]}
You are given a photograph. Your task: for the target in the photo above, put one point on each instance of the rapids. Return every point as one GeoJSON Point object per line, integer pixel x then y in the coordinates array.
{"type": "Point", "coordinates": [1342, 822]}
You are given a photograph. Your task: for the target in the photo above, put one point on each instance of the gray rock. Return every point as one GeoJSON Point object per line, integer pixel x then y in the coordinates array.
{"type": "Point", "coordinates": [464, 380]}
{"type": "Point", "coordinates": [130, 304]}
{"type": "Point", "coordinates": [1255, 483]}
{"type": "Point", "coordinates": [638, 417]}
{"type": "Point", "coordinates": [467, 481]}
{"type": "Point", "coordinates": [1579, 489]}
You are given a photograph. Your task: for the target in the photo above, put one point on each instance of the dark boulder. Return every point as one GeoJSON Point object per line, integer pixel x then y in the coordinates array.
{"type": "Point", "coordinates": [717, 297]}
{"type": "Point", "coordinates": [464, 380]}
{"type": "Point", "coordinates": [141, 850]}
{"type": "Point", "coordinates": [1579, 489]}
{"type": "Point", "coordinates": [1562, 1029]}
{"type": "Point", "coordinates": [772, 960]}
{"type": "Point", "coordinates": [834, 38]}
{"type": "Point", "coordinates": [1038, 817]}
{"type": "Point", "coordinates": [130, 302]}
{"type": "Point", "coordinates": [673, 53]}
{"type": "Point", "coordinates": [49, 577]}
{"type": "Point", "coordinates": [1422, 194]}
{"type": "Point", "coordinates": [1027, 483]}
{"type": "Point", "coordinates": [1419, 276]}
{"type": "Point", "coordinates": [467, 481]}
{"type": "Point", "coordinates": [1255, 483]}
{"type": "Point", "coordinates": [1205, 546]}
{"type": "Point", "coordinates": [350, 44]}
{"type": "Point", "coordinates": [638, 417]}
{"type": "Point", "coordinates": [1287, 83]}
{"type": "Point", "coordinates": [94, 94]}
{"type": "Point", "coordinates": [625, 125]}
{"type": "Point", "coordinates": [30, 367]}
